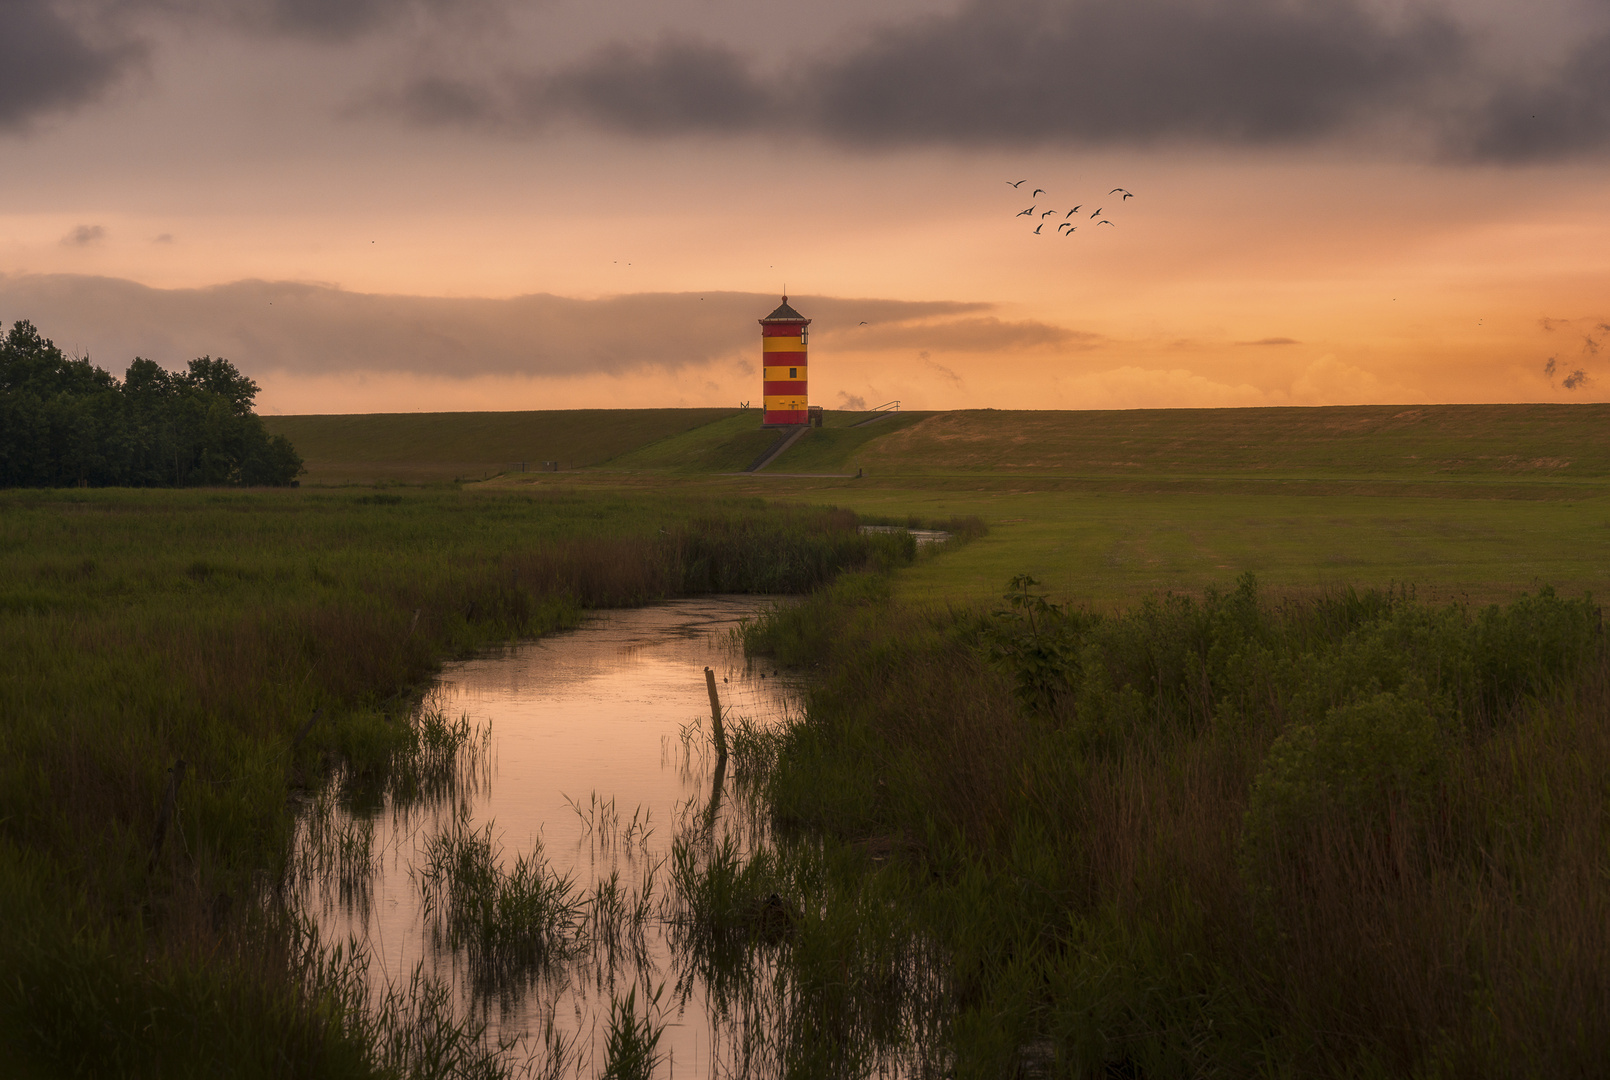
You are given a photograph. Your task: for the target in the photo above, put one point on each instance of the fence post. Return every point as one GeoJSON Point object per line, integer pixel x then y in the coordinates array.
{"type": "Point", "coordinates": [715, 717]}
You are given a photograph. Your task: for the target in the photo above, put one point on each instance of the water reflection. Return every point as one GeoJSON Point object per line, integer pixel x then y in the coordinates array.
{"type": "Point", "coordinates": [540, 879]}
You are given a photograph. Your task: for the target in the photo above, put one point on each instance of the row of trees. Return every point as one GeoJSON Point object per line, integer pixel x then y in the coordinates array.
{"type": "Point", "coordinates": [65, 422]}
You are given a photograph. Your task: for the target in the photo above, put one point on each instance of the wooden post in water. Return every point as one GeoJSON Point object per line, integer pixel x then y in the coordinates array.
{"type": "Point", "coordinates": [175, 778]}
{"type": "Point", "coordinates": [715, 717]}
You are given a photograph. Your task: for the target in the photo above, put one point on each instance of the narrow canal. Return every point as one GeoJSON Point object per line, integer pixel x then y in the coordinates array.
{"type": "Point", "coordinates": [589, 756]}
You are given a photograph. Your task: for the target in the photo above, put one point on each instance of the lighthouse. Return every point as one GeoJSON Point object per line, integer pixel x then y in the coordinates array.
{"type": "Point", "coordinates": [782, 345]}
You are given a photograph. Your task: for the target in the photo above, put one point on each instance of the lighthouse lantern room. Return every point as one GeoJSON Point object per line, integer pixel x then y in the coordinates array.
{"type": "Point", "coordinates": [782, 343]}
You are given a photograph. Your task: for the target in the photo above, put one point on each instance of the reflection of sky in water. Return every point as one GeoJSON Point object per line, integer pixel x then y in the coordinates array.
{"type": "Point", "coordinates": [595, 711]}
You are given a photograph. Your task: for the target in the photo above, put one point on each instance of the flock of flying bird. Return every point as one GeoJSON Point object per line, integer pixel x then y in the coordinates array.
{"type": "Point", "coordinates": [1065, 223]}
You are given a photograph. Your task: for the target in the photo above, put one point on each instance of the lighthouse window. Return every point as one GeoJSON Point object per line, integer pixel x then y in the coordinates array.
{"type": "Point", "coordinates": [793, 373]}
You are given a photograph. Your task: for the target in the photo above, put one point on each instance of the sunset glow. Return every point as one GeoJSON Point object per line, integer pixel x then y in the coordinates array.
{"type": "Point", "coordinates": [438, 206]}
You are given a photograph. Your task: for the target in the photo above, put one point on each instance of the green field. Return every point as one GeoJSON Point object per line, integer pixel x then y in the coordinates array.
{"type": "Point", "coordinates": [1477, 501]}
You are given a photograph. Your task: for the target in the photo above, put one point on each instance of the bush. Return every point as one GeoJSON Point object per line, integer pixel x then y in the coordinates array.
{"type": "Point", "coordinates": [1344, 772]}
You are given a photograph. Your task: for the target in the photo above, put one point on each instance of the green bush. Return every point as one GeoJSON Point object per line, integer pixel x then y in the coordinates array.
{"type": "Point", "coordinates": [1344, 772]}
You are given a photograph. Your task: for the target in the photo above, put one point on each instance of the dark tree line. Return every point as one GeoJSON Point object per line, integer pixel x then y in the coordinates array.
{"type": "Point", "coordinates": [65, 422]}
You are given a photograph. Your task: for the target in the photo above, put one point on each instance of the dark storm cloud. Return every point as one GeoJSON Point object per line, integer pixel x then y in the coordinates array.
{"type": "Point", "coordinates": [329, 20]}
{"type": "Point", "coordinates": [679, 87]}
{"type": "Point", "coordinates": [1118, 71]}
{"type": "Point", "coordinates": [1024, 72]}
{"type": "Point", "coordinates": [321, 329]}
{"type": "Point", "coordinates": [48, 62]}
{"type": "Point", "coordinates": [55, 55]}
{"type": "Point", "coordinates": [1564, 114]}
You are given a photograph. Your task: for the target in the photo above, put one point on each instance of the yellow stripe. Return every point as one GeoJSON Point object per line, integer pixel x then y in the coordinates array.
{"type": "Point", "coordinates": [782, 344]}
{"type": "Point", "coordinates": [774, 404]}
{"type": "Point", "coordinates": [773, 374]}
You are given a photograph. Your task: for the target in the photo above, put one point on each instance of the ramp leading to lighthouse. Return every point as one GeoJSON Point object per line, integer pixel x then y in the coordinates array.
{"type": "Point", "coordinates": [789, 437]}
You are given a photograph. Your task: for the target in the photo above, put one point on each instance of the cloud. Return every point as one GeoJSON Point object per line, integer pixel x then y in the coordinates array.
{"type": "Point", "coordinates": [321, 20]}
{"type": "Point", "coordinates": [968, 334]}
{"type": "Point", "coordinates": [1271, 341]}
{"type": "Point", "coordinates": [1330, 381]}
{"type": "Point", "coordinates": [851, 402]}
{"type": "Point", "coordinates": [48, 62]}
{"type": "Point", "coordinates": [938, 368]}
{"type": "Point", "coordinates": [85, 235]}
{"type": "Point", "coordinates": [1575, 379]}
{"type": "Point", "coordinates": [1564, 114]}
{"type": "Point", "coordinates": [1549, 368]}
{"type": "Point", "coordinates": [318, 329]}
{"type": "Point", "coordinates": [1012, 73]}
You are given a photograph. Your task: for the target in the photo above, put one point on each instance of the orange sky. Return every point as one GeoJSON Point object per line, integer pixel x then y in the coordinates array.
{"type": "Point", "coordinates": [1368, 256]}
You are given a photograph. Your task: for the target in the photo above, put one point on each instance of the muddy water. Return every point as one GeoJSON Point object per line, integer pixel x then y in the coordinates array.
{"type": "Point", "coordinates": [598, 755]}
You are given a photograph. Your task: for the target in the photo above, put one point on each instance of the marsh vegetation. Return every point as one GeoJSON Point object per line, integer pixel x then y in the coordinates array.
{"type": "Point", "coordinates": [1346, 834]}
{"type": "Point", "coordinates": [274, 642]}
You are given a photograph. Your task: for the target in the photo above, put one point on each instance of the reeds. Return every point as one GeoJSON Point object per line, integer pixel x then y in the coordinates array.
{"type": "Point", "coordinates": [509, 920]}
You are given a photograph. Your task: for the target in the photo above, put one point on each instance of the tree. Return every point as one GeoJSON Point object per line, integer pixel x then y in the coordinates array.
{"type": "Point", "coordinates": [64, 421]}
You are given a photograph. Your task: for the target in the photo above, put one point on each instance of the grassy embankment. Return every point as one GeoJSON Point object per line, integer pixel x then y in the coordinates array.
{"type": "Point", "coordinates": [418, 448]}
{"type": "Point", "coordinates": [265, 638]}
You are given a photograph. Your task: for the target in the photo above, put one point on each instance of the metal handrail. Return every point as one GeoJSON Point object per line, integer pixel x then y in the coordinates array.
{"type": "Point", "coordinates": [892, 405]}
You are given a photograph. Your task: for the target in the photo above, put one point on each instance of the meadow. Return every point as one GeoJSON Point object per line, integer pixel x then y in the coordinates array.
{"type": "Point", "coordinates": [1475, 502]}
{"type": "Point", "coordinates": [1280, 753]}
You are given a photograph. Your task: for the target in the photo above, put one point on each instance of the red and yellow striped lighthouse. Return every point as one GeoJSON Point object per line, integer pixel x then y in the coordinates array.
{"type": "Point", "coordinates": [782, 343]}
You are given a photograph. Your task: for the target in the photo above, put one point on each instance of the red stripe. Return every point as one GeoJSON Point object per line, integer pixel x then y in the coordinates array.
{"type": "Point", "coordinates": [775, 389]}
{"type": "Point", "coordinates": [791, 329]}
{"type": "Point", "coordinates": [784, 359]}
{"type": "Point", "coordinates": [791, 416]}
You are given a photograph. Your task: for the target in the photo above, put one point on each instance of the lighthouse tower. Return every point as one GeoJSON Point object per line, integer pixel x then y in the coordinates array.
{"type": "Point", "coordinates": [782, 344]}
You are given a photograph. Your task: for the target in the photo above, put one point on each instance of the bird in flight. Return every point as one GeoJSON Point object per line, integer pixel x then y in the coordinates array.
{"type": "Point", "coordinates": [1116, 190]}
{"type": "Point", "coordinates": [1037, 193]}
{"type": "Point", "coordinates": [1104, 221]}
{"type": "Point", "coordinates": [1037, 229]}
{"type": "Point", "coordinates": [1022, 181]}
{"type": "Point", "coordinates": [1025, 213]}
{"type": "Point", "coordinates": [1047, 214]}
{"type": "Point", "coordinates": [1071, 230]}
{"type": "Point", "coordinates": [1097, 213]}
{"type": "Point", "coordinates": [1065, 225]}
{"type": "Point", "coordinates": [1074, 211]}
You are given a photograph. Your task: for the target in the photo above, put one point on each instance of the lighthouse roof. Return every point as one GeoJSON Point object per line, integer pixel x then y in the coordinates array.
{"type": "Point", "coordinates": [784, 313]}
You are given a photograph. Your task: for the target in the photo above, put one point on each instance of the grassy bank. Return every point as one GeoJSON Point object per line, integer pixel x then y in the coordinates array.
{"type": "Point", "coordinates": [436, 447]}
{"type": "Point", "coordinates": [1351, 834]}
{"type": "Point", "coordinates": [264, 638]}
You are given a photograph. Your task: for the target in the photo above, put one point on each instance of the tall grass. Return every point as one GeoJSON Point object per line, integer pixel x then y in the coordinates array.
{"type": "Point", "coordinates": [141, 628]}
{"type": "Point", "coordinates": [1353, 834]}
